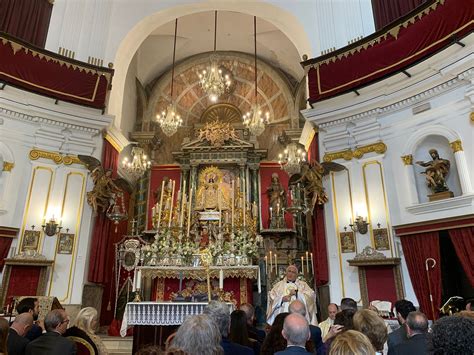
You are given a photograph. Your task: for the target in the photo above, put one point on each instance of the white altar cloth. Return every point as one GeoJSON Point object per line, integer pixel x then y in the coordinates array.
{"type": "Point", "coordinates": [160, 313]}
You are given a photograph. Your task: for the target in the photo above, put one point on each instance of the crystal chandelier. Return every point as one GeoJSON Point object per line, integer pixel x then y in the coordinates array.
{"type": "Point", "coordinates": [256, 120]}
{"type": "Point", "coordinates": [137, 166]}
{"type": "Point", "coordinates": [169, 120]}
{"type": "Point", "coordinates": [214, 81]}
{"type": "Point", "coordinates": [292, 157]}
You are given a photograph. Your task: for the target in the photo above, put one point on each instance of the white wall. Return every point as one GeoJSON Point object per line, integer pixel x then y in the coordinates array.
{"type": "Point", "coordinates": [35, 189]}
{"type": "Point", "coordinates": [380, 185]}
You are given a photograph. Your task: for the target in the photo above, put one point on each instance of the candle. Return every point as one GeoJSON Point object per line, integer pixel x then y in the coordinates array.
{"type": "Point", "coordinates": [276, 264]}
{"type": "Point", "coordinates": [139, 280]}
{"type": "Point", "coordinates": [189, 210]}
{"type": "Point", "coordinates": [259, 281]}
{"type": "Point", "coordinates": [312, 264]}
{"type": "Point", "coordinates": [307, 262]}
{"type": "Point", "coordinates": [221, 279]}
{"type": "Point", "coordinates": [271, 262]}
{"type": "Point", "coordinates": [232, 202]}
{"type": "Point", "coordinates": [181, 218]}
{"type": "Point", "coordinates": [161, 204]}
{"type": "Point", "coordinates": [173, 184]}
{"type": "Point", "coordinates": [245, 199]}
{"type": "Point", "coordinates": [220, 208]}
{"type": "Point", "coordinates": [302, 266]}
{"type": "Point", "coordinates": [266, 262]}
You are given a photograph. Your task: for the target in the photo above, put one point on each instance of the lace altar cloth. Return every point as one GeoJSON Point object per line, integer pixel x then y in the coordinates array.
{"type": "Point", "coordinates": [160, 313]}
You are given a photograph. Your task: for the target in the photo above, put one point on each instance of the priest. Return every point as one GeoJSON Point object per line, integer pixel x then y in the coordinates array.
{"type": "Point", "coordinates": [288, 290]}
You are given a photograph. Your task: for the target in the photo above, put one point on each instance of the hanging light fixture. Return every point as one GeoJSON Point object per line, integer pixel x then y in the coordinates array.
{"type": "Point", "coordinates": [291, 158]}
{"type": "Point", "coordinates": [256, 120]}
{"type": "Point", "coordinates": [213, 80]}
{"type": "Point", "coordinates": [137, 165]}
{"type": "Point", "coordinates": [170, 120]}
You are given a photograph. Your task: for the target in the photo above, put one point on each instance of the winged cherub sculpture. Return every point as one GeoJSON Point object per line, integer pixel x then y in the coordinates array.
{"type": "Point", "coordinates": [105, 187]}
{"type": "Point", "coordinates": [312, 180]}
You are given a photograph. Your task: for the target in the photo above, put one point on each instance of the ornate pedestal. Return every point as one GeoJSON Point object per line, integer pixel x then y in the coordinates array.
{"type": "Point", "coordinates": [379, 276]}
{"type": "Point", "coordinates": [24, 276]}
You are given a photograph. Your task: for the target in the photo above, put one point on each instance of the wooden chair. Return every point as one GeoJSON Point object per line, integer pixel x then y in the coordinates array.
{"type": "Point", "coordinates": [83, 346]}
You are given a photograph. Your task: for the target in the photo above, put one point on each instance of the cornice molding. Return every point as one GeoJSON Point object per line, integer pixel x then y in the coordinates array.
{"type": "Point", "coordinates": [358, 152]}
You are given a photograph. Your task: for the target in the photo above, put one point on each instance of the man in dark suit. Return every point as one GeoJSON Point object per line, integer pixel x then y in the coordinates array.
{"type": "Point", "coordinates": [298, 307]}
{"type": "Point", "coordinates": [219, 312]}
{"type": "Point", "coordinates": [296, 332]}
{"type": "Point", "coordinates": [31, 305]}
{"type": "Point", "coordinates": [16, 342]}
{"type": "Point", "coordinates": [402, 309]}
{"type": "Point", "coordinates": [52, 342]}
{"type": "Point", "coordinates": [417, 329]}
{"type": "Point", "coordinates": [254, 332]}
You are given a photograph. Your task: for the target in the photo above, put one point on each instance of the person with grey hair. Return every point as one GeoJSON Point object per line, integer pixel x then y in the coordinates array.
{"type": "Point", "coordinates": [298, 307]}
{"type": "Point", "coordinates": [16, 342]}
{"type": "Point", "coordinates": [220, 313]}
{"type": "Point", "coordinates": [254, 332]}
{"type": "Point", "coordinates": [417, 330]}
{"type": "Point", "coordinates": [199, 335]}
{"type": "Point", "coordinates": [296, 332]}
{"type": "Point", "coordinates": [52, 342]}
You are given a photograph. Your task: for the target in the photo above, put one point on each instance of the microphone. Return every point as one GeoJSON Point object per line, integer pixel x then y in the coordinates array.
{"type": "Point", "coordinates": [296, 293]}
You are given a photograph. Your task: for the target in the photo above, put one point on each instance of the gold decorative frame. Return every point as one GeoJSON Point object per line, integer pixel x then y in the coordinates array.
{"type": "Point", "coordinates": [381, 241]}
{"type": "Point", "coordinates": [348, 243]}
{"type": "Point", "coordinates": [359, 152]}
{"type": "Point", "coordinates": [36, 154]}
{"type": "Point", "coordinates": [65, 243]}
{"type": "Point", "coordinates": [30, 240]}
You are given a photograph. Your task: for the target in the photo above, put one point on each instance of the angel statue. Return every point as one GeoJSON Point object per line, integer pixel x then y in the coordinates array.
{"type": "Point", "coordinates": [436, 172]}
{"type": "Point", "coordinates": [312, 180]}
{"type": "Point", "coordinates": [105, 187]}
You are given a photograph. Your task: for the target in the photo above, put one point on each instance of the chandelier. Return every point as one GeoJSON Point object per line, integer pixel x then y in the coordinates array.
{"type": "Point", "coordinates": [292, 157]}
{"type": "Point", "coordinates": [169, 120]}
{"type": "Point", "coordinates": [256, 120]}
{"type": "Point", "coordinates": [214, 81]}
{"type": "Point", "coordinates": [138, 164]}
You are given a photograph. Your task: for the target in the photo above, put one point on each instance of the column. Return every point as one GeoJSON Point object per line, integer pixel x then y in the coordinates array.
{"type": "Point", "coordinates": [410, 178]}
{"type": "Point", "coordinates": [461, 163]}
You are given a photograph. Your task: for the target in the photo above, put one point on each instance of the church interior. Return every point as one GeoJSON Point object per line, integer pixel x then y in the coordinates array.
{"type": "Point", "coordinates": [163, 153]}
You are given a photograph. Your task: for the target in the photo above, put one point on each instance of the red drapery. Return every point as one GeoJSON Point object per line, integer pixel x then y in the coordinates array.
{"type": "Point", "coordinates": [417, 248]}
{"type": "Point", "coordinates": [23, 281]}
{"type": "Point", "coordinates": [319, 231]}
{"type": "Point", "coordinates": [5, 244]}
{"type": "Point", "coordinates": [463, 241]}
{"type": "Point", "coordinates": [26, 19]}
{"type": "Point", "coordinates": [387, 11]}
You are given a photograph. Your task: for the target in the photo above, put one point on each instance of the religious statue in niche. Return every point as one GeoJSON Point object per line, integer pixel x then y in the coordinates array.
{"type": "Point", "coordinates": [277, 203]}
{"type": "Point", "coordinates": [436, 173]}
{"type": "Point", "coordinates": [212, 194]}
{"type": "Point", "coordinates": [312, 180]}
{"type": "Point", "coordinates": [105, 188]}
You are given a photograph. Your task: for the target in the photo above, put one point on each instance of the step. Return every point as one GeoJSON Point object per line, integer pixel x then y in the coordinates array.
{"type": "Point", "coordinates": [118, 345]}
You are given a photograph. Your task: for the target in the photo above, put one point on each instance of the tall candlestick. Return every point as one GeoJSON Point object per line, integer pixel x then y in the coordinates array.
{"type": "Point", "coordinates": [271, 262]}
{"type": "Point", "coordinates": [139, 280]}
{"type": "Point", "coordinates": [307, 263]}
{"type": "Point", "coordinates": [161, 204]}
{"type": "Point", "coordinates": [302, 265]}
{"type": "Point", "coordinates": [259, 282]}
{"type": "Point", "coordinates": [245, 202]}
{"type": "Point", "coordinates": [266, 262]}
{"type": "Point", "coordinates": [221, 279]}
{"type": "Point", "coordinates": [276, 264]}
{"type": "Point", "coordinates": [312, 264]}
{"type": "Point", "coordinates": [220, 208]}
{"type": "Point", "coordinates": [173, 184]}
{"type": "Point", "coordinates": [181, 218]}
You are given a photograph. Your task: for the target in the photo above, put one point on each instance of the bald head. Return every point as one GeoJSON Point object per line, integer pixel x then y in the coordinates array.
{"type": "Point", "coordinates": [296, 330]}
{"type": "Point", "coordinates": [332, 310]}
{"type": "Point", "coordinates": [22, 323]}
{"type": "Point", "coordinates": [297, 307]}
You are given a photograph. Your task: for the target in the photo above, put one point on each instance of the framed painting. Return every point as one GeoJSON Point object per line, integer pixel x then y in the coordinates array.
{"type": "Point", "coordinates": [30, 240]}
{"type": "Point", "coordinates": [348, 244]}
{"type": "Point", "coordinates": [65, 243]}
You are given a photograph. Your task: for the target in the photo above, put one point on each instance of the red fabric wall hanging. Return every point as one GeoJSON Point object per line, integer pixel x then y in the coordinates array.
{"type": "Point", "coordinates": [463, 241]}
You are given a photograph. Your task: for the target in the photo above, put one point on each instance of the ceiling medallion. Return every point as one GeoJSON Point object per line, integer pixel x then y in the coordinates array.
{"type": "Point", "coordinates": [217, 133]}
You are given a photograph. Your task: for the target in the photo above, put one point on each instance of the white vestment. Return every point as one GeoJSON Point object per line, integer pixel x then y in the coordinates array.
{"type": "Point", "coordinates": [283, 288]}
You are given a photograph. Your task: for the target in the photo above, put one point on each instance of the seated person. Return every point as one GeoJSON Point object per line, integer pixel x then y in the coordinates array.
{"type": "Point", "coordinates": [31, 305]}
{"type": "Point", "coordinates": [84, 327]}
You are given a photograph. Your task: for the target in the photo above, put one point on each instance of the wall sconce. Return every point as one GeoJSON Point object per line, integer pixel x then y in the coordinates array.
{"type": "Point", "coordinates": [51, 227]}
{"type": "Point", "coordinates": [360, 225]}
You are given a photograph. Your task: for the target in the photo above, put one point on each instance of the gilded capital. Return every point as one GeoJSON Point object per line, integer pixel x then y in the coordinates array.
{"type": "Point", "coordinates": [471, 116]}
{"type": "Point", "coordinates": [456, 146]}
{"type": "Point", "coordinates": [7, 166]}
{"type": "Point", "coordinates": [407, 159]}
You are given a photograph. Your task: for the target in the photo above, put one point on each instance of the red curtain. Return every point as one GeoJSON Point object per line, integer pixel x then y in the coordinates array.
{"type": "Point", "coordinates": [463, 241]}
{"type": "Point", "coordinates": [387, 11]}
{"type": "Point", "coordinates": [5, 244]}
{"type": "Point", "coordinates": [417, 248]}
{"type": "Point", "coordinates": [26, 19]}
{"type": "Point", "coordinates": [319, 232]}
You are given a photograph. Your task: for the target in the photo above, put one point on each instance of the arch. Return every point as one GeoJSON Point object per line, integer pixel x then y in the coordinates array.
{"type": "Point", "coordinates": [127, 48]}
{"type": "Point", "coordinates": [435, 130]}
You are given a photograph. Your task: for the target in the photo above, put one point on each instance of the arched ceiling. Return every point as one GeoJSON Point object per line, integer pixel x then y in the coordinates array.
{"type": "Point", "coordinates": [234, 33]}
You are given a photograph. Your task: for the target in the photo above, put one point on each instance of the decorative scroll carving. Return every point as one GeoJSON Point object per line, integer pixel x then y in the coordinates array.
{"type": "Point", "coordinates": [369, 253]}
{"type": "Point", "coordinates": [217, 133]}
{"type": "Point", "coordinates": [378, 148]}
{"type": "Point", "coordinates": [7, 166]}
{"type": "Point", "coordinates": [36, 154]}
{"type": "Point", "coordinates": [343, 154]}
{"type": "Point", "coordinates": [199, 273]}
